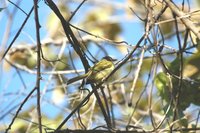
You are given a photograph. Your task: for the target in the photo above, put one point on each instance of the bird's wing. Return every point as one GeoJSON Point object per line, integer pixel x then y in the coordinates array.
{"type": "Point", "coordinates": [77, 78]}
{"type": "Point", "coordinates": [102, 65]}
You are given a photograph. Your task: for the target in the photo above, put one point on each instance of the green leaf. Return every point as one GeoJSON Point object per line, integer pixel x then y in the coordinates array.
{"type": "Point", "coordinates": [174, 66]}
{"type": "Point", "coordinates": [162, 83]}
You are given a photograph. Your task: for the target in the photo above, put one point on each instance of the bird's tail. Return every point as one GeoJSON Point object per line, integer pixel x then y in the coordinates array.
{"type": "Point", "coordinates": [77, 78]}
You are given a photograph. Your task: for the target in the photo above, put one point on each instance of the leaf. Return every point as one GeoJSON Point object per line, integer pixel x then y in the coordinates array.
{"type": "Point", "coordinates": [162, 83]}
{"type": "Point", "coordinates": [189, 91]}
{"type": "Point", "coordinates": [54, 26]}
{"type": "Point", "coordinates": [167, 28]}
{"type": "Point", "coordinates": [174, 66]}
{"type": "Point", "coordinates": [58, 96]}
{"type": "Point", "coordinates": [98, 22]}
{"type": "Point", "coordinates": [62, 64]}
{"type": "Point", "coordinates": [191, 69]}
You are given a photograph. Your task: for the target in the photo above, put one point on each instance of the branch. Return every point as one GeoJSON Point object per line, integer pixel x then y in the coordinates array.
{"type": "Point", "coordinates": [16, 36]}
{"type": "Point", "coordinates": [37, 86]}
{"type": "Point", "coordinates": [186, 21]}
{"type": "Point", "coordinates": [20, 107]}
{"type": "Point", "coordinates": [69, 33]}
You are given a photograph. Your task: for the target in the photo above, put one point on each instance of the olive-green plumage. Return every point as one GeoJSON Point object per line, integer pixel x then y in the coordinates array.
{"type": "Point", "coordinates": [98, 72]}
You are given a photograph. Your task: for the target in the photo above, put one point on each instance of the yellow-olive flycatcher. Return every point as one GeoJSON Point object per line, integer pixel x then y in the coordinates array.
{"type": "Point", "coordinates": [98, 72]}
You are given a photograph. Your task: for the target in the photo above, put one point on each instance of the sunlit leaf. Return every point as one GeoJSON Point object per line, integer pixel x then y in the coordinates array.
{"type": "Point", "coordinates": [54, 26]}
{"type": "Point", "coordinates": [58, 96]}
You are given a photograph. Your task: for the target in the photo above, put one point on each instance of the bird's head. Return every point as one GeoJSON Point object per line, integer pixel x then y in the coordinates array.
{"type": "Point", "coordinates": [109, 58]}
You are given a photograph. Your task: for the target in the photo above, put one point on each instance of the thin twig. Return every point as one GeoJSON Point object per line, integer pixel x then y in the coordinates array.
{"type": "Point", "coordinates": [186, 21]}
{"type": "Point", "coordinates": [106, 104]}
{"type": "Point", "coordinates": [18, 110]}
{"type": "Point", "coordinates": [17, 5]}
{"type": "Point", "coordinates": [132, 90]}
{"type": "Point", "coordinates": [79, 6]}
{"type": "Point", "coordinates": [180, 81]}
{"type": "Point", "coordinates": [69, 34]}
{"type": "Point", "coordinates": [16, 36]}
{"type": "Point", "coordinates": [38, 78]}
{"type": "Point", "coordinates": [111, 106]}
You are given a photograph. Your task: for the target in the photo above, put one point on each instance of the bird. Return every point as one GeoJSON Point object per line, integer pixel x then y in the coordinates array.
{"type": "Point", "coordinates": [98, 72]}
